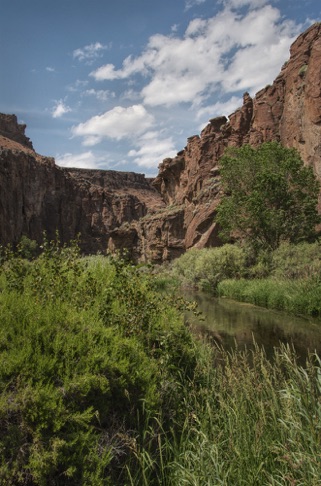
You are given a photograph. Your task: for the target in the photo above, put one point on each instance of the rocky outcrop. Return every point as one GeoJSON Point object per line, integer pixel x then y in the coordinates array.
{"type": "Point", "coordinates": [288, 111]}
{"type": "Point", "coordinates": [37, 196]}
{"type": "Point", "coordinates": [159, 220]}
{"type": "Point", "coordinates": [13, 132]}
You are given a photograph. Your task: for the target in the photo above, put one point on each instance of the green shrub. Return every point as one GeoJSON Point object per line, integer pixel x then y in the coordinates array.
{"type": "Point", "coordinates": [297, 261]}
{"type": "Point", "coordinates": [207, 267]}
{"type": "Point", "coordinates": [89, 354]}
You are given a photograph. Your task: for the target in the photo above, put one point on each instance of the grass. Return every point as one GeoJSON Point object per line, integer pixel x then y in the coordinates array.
{"type": "Point", "coordinates": [300, 296]}
{"type": "Point", "coordinates": [101, 383]}
{"type": "Point", "coordinates": [287, 279]}
{"type": "Point", "coordinates": [248, 421]}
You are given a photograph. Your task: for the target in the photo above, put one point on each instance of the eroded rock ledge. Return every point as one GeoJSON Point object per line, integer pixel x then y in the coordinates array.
{"type": "Point", "coordinates": [158, 220]}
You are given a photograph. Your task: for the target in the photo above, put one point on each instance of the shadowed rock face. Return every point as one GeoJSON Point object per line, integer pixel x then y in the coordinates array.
{"type": "Point", "coordinates": [158, 220]}
{"type": "Point", "coordinates": [36, 196]}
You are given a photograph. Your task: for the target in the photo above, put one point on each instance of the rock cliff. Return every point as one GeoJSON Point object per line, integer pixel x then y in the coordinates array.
{"type": "Point", "coordinates": [37, 196]}
{"type": "Point", "coordinates": [158, 220]}
{"type": "Point", "coordinates": [288, 111]}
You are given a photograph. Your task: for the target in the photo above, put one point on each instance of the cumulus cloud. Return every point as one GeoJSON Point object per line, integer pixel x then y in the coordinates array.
{"type": "Point", "coordinates": [117, 124]}
{"type": "Point", "coordinates": [219, 108]}
{"type": "Point", "coordinates": [89, 53]}
{"type": "Point", "coordinates": [234, 50]}
{"type": "Point", "coordinates": [85, 160]}
{"type": "Point", "coordinates": [60, 109]}
{"type": "Point", "coordinates": [151, 149]}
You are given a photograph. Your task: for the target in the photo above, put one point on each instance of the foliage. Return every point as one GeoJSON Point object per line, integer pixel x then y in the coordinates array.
{"type": "Point", "coordinates": [102, 384]}
{"type": "Point", "coordinates": [300, 297]}
{"type": "Point", "coordinates": [88, 353]}
{"type": "Point", "coordinates": [207, 267]}
{"type": "Point", "coordinates": [288, 278]}
{"type": "Point", "coordinates": [249, 421]}
{"type": "Point", "coordinates": [269, 196]}
{"type": "Point", "coordinates": [28, 248]}
{"type": "Point", "coordinates": [297, 261]}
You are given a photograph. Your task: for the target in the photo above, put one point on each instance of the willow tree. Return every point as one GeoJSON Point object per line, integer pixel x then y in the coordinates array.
{"type": "Point", "coordinates": [269, 196]}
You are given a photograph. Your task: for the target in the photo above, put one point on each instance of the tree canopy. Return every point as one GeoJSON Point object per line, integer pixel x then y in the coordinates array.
{"type": "Point", "coordinates": [269, 196]}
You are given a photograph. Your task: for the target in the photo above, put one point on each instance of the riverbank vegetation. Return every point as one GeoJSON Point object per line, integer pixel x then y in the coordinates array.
{"type": "Point", "coordinates": [102, 383]}
{"type": "Point", "coordinates": [269, 196]}
{"type": "Point", "coordinates": [269, 207]}
{"type": "Point", "coordinates": [288, 278]}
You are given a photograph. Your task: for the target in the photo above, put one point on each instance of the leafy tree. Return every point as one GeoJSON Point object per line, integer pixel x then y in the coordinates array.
{"type": "Point", "coordinates": [269, 196]}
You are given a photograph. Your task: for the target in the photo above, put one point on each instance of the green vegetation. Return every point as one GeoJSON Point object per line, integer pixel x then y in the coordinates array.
{"type": "Point", "coordinates": [269, 206]}
{"type": "Point", "coordinates": [288, 278]}
{"type": "Point", "coordinates": [205, 268]}
{"type": "Point", "coordinates": [102, 384]}
{"type": "Point", "coordinates": [89, 355]}
{"type": "Point", "coordinates": [252, 422]}
{"type": "Point", "coordinates": [270, 196]}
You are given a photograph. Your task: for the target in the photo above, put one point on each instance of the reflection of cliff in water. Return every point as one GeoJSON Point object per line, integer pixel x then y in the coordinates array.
{"type": "Point", "coordinates": [235, 324]}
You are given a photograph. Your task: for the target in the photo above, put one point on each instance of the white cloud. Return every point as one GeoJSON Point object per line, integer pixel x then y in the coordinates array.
{"type": "Point", "coordinates": [192, 3]}
{"type": "Point", "coordinates": [131, 95]}
{"type": "Point", "coordinates": [219, 109]}
{"type": "Point", "coordinates": [117, 124]}
{"type": "Point", "coordinates": [234, 50]}
{"type": "Point", "coordinates": [100, 94]}
{"type": "Point", "coordinates": [50, 69]}
{"type": "Point", "coordinates": [151, 149]}
{"type": "Point", "coordinates": [85, 160]}
{"type": "Point", "coordinates": [60, 109]}
{"type": "Point", "coordinates": [77, 86]}
{"type": "Point", "coordinates": [89, 53]}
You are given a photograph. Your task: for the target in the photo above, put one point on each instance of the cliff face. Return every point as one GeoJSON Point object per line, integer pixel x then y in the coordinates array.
{"type": "Point", "coordinates": [37, 196]}
{"type": "Point", "coordinates": [288, 111]}
{"type": "Point", "coordinates": [158, 221]}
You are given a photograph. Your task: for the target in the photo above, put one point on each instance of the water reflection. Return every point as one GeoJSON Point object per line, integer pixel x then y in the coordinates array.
{"type": "Point", "coordinates": [232, 323]}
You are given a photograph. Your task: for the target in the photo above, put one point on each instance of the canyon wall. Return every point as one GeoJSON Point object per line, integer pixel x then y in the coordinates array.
{"type": "Point", "coordinates": [36, 196]}
{"type": "Point", "coordinates": [158, 220]}
{"type": "Point", "coordinates": [288, 111]}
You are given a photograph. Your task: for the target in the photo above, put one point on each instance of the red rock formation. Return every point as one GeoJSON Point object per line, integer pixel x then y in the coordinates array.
{"type": "Point", "coordinates": [37, 196]}
{"type": "Point", "coordinates": [288, 111]}
{"type": "Point", "coordinates": [159, 222]}
{"type": "Point", "coordinates": [12, 131]}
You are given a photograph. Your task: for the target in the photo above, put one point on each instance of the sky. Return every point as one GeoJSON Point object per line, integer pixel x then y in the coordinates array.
{"type": "Point", "coordinates": [122, 84]}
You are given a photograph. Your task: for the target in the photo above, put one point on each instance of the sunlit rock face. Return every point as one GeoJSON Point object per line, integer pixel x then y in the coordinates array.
{"type": "Point", "coordinates": [158, 220]}
{"type": "Point", "coordinates": [288, 111]}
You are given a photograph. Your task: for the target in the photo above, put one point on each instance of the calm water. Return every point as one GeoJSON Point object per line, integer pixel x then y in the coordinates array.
{"type": "Point", "coordinates": [231, 323]}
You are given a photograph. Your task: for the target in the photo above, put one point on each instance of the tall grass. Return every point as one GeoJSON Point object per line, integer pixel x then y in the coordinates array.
{"type": "Point", "coordinates": [287, 279]}
{"type": "Point", "coordinates": [249, 421]}
{"type": "Point", "coordinates": [101, 383]}
{"type": "Point", "coordinates": [300, 296]}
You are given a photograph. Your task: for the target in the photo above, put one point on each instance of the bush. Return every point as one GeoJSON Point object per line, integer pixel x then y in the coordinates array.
{"type": "Point", "coordinates": [207, 267]}
{"type": "Point", "coordinates": [89, 355]}
{"type": "Point", "coordinates": [297, 261]}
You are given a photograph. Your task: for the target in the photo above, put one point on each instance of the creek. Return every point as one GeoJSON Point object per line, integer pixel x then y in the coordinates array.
{"type": "Point", "coordinates": [233, 324]}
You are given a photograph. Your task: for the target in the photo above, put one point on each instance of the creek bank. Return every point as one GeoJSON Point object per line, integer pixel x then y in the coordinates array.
{"type": "Point", "coordinates": [233, 324]}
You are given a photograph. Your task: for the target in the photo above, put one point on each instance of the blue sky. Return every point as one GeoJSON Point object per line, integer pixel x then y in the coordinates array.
{"type": "Point", "coordinates": [121, 84]}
